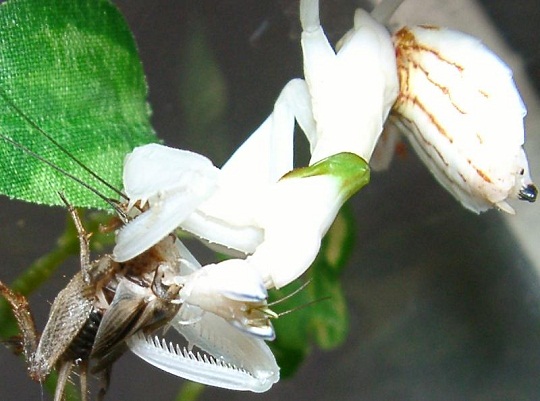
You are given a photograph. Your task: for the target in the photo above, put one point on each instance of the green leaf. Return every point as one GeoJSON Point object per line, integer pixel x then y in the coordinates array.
{"type": "Point", "coordinates": [72, 67]}
{"type": "Point", "coordinates": [190, 391]}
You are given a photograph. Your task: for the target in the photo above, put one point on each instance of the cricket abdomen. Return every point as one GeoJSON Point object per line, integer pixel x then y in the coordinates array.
{"type": "Point", "coordinates": [81, 346]}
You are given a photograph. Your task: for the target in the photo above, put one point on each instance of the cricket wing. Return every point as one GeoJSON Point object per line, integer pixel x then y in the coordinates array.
{"type": "Point", "coordinates": [119, 318]}
{"type": "Point", "coordinates": [69, 313]}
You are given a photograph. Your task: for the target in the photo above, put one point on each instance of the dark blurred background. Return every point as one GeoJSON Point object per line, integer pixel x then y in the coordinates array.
{"type": "Point", "coordinates": [444, 304]}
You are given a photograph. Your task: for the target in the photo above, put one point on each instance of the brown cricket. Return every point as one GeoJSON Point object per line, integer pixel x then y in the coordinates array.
{"type": "Point", "coordinates": [100, 308]}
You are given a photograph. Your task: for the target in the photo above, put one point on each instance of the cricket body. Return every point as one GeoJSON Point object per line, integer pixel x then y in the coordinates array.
{"type": "Point", "coordinates": [161, 285]}
{"type": "Point", "coordinates": [93, 315]}
{"type": "Point", "coordinates": [462, 112]}
{"type": "Point", "coordinates": [109, 306]}
{"type": "Point", "coordinates": [73, 322]}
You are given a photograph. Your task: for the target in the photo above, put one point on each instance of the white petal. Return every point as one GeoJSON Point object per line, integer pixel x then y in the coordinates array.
{"type": "Point", "coordinates": [228, 217]}
{"type": "Point", "coordinates": [223, 235]}
{"type": "Point", "coordinates": [215, 336]}
{"type": "Point", "coordinates": [153, 169]}
{"type": "Point", "coordinates": [268, 153]}
{"type": "Point", "coordinates": [232, 290]}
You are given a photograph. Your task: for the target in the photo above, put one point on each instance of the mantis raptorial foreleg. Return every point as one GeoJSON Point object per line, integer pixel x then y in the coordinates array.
{"type": "Point", "coordinates": [268, 153]}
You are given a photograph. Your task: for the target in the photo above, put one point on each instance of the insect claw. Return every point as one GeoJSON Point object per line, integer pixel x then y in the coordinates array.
{"type": "Point", "coordinates": [264, 330]}
{"type": "Point", "coordinates": [231, 359]}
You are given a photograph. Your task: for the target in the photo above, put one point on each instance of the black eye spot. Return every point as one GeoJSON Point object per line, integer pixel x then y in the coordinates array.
{"type": "Point", "coordinates": [529, 193]}
{"type": "Point", "coordinates": [522, 171]}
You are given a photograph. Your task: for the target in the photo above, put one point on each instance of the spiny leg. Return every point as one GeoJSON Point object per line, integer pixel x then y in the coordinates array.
{"type": "Point", "coordinates": [23, 315]}
{"type": "Point", "coordinates": [268, 153]}
{"type": "Point", "coordinates": [83, 379]}
{"type": "Point", "coordinates": [84, 238]}
{"type": "Point", "coordinates": [63, 375]}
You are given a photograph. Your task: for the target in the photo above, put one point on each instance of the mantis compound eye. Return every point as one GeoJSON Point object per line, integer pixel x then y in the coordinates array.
{"type": "Point", "coordinates": [529, 193]}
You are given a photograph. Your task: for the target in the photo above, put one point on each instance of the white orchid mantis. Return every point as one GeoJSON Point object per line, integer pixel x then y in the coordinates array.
{"type": "Point", "coordinates": [271, 216]}
{"type": "Point", "coordinates": [257, 205]}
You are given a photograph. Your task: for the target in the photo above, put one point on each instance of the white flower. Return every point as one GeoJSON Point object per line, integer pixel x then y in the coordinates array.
{"type": "Point", "coordinates": [234, 293]}
{"type": "Point", "coordinates": [463, 115]}
{"type": "Point", "coordinates": [280, 224]}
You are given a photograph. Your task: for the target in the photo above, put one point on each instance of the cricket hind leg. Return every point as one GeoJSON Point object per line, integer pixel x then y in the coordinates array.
{"type": "Point", "coordinates": [25, 320]}
{"type": "Point", "coordinates": [64, 370]}
{"type": "Point", "coordinates": [83, 380]}
{"type": "Point", "coordinates": [84, 239]}
{"type": "Point", "coordinates": [30, 338]}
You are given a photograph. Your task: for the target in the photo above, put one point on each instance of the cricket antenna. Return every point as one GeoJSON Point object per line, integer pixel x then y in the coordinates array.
{"type": "Point", "coordinates": [111, 202]}
{"type": "Point", "coordinates": [292, 294]}
{"type": "Point", "coordinates": [34, 125]}
{"type": "Point", "coordinates": [299, 307]}
{"type": "Point", "coordinates": [306, 305]}
{"type": "Point", "coordinates": [270, 314]}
